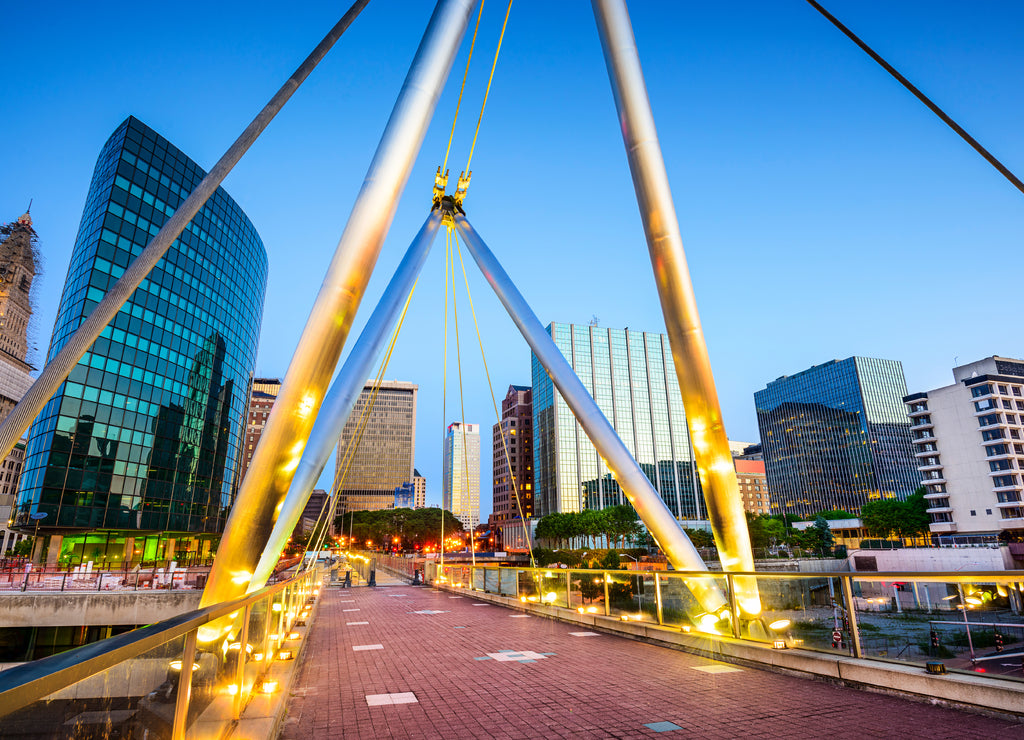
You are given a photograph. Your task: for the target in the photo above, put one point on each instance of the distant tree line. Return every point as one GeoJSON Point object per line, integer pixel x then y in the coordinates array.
{"type": "Point", "coordinates": [618, 525]}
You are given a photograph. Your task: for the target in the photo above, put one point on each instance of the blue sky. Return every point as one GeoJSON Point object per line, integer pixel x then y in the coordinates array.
{"type": "Point", "coordinates": [825, 211]}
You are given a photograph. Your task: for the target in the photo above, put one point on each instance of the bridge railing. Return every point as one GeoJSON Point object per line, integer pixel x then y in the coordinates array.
{"type": "Point", "coordinates": [191, 675]}
{"type": "Point", "coordinates": [82, 579]}
{"type": "Point", "coordinates": [966, 621]}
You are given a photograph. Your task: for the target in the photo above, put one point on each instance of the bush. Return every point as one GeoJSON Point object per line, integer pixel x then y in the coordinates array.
{"type": "Point", "coordinates": [611, 560]}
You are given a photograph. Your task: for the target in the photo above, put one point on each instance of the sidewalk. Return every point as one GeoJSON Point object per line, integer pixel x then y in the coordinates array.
{"type": "Point", "coordinates": [405, 662]}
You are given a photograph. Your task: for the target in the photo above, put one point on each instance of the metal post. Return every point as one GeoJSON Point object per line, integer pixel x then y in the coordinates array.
{"type": "Point", "coordinates": [184, 688]}
{"type": "Point", "coordinates": [657, 597]}
{"type": "Point", "coordinates": [967, 625]}
{"type": "Point", "coordinates": [851, 614]}
{"type": "Point", "coordinates": [607, 604]}
{"type": "Point", "coordinates": [733, 608]}
{"type": "Point", "coordinates": [678, 304]}
{"type": "Point", "coordinates": [56, 371]}
{"type": "Point", "coordinates": [243, 642]}
{"type": "Point", "coordinates": [276, 457]}
{"type": "Point", "coordinates": [634, 483]}
{"type": "Point", "coordinates": [342, 397]}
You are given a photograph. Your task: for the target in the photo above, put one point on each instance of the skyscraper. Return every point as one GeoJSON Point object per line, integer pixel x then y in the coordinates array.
{"type": "Point", "coordinates": [516, 427]}
{"type": "Point", "coordinates": [461, 493]}
{"type": "Point", "coordinates": [836, 436]}
{"type": "Point", "coordinates": [969, 445]}
{"type": "Point", "coordinates": [419, 490]}
{"type": "Point", "coordinates": [377, 447]}
{"type": "Point", "coordinates": [261, 400]}
{"type": "Point", "coordinates": [631, 376]}
{"type": "Point", "coordinates": [143, 440]}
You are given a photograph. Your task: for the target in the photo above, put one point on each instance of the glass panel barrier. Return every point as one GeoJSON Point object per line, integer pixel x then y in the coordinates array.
{"type": "Point", "coordinates": [553, 587]}
{"type": "Point", "coordinates": [631, 596]}
{"type": "Point", "coordinates": [132, 698]}
{"type": "Point", "coordinates": [694, 602]}
{"type": "Point", "coordinates": [507, 579]}
{"type": "Point", "coordinates": [491, 580]}
{"type": "Point", "coordinates": [478, 579]}
{"type": "Point", "coordinates": [803, 611]}
{"type": "Point", "coordinates": [975, 626]}
{"type": "Point", "coordinates": [586, 591]}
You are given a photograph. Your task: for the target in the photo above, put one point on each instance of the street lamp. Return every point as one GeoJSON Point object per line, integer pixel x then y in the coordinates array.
{"type": "Point", "coordinates": [38, 517]}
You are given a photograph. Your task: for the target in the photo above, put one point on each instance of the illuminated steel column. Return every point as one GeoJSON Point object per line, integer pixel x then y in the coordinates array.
{"type": "Point", "coordinates": [342, 397]}
{"type": "Point", "coordinates": [277, 455]}
{"type": "Point", "coordinates": [630, 476]}
{"type": "Point", "coordinates": [678, 304]}
{"type": "Point", "coordinates": [56, 371]}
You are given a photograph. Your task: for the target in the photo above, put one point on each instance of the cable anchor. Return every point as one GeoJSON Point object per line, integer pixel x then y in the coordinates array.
{"type": "Point", "coordinates": [462, 187]}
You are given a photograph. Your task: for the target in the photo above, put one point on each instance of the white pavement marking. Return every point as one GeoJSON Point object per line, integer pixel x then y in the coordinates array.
{"type": "Point", "coordinates": [350, 610]}
{"type": "Point", "coordinates": [517, 655]}
{"type": "Point", "coordinates": [583, 634]}
{"type": "Point", "coordinates": [429, 611]}
{"type": "Point", "coordinates": [718, 669]}
{"type": "Point", "coordinates": [391, 596]}
{"type": "Point", "coordinates": [520, 616]}
{"type": "Point", "coordinates": [454, 597]}
{"type": "Point", "coordinates": [349, 624]}
{"type": "Point", "coordinates": [358, 648]}
{"type": "Point", "coordinates": [379, 700]}
{"type": "Point", "coordinates": [346, 601]}
{"type": "Point", "coordinates": [481, 604]}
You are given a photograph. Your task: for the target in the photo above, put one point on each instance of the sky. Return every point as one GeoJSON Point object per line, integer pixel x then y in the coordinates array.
{"type": "Point", "coordinates": [825, 212]}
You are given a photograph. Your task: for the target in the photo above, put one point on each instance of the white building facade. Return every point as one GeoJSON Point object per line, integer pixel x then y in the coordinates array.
{"type": "Point", "coordinates": [461, 493]}
{"type": "Point", "coordinates": [969, 444]}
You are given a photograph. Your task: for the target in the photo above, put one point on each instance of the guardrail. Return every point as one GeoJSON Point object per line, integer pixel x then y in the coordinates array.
{"type": "Point", "coordinates": [81, 579]}
{"type": "Point", "coordinates": [190, 674]}
{"type": "Point", "coordinates": [969, 622]}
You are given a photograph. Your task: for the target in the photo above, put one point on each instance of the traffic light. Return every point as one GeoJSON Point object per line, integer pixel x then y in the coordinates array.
{"type": "Point", "coordinates": [935, 639]}
{"type": "Point", "coordinates": [999, 643]}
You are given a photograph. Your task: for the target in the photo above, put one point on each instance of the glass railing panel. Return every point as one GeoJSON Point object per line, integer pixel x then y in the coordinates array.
{"type": "Point", "coordinates": [586, 591]}
{"type": "Point", "coordinates": [973, 626]}
{"type": "Point", "coordinates": [508, 579]}
{"type": "Point", "coordinates": [553, 586]}
{"type": "Point", "coordinates": [695, 602]}
{"type": "Point", "coordinates": [802, 611]}
{"type": "Point", "coordinates": [478, 579]}
{"type": "Point", "coordinates": [631, 595]}
{"type": "Point", "coordinates": [130, 699]}
{"type": "Point", "coordinates": [492, 580]}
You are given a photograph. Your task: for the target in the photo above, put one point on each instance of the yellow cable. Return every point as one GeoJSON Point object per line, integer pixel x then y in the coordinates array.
{"type": "Point", "coordinates": [494, 401]}
{"type": "Point", "coordinates": [490, 79]}
{"type": "Point", "coordinates": [462, 405]}
{"type": "Point", "coordinates": [465, 74]}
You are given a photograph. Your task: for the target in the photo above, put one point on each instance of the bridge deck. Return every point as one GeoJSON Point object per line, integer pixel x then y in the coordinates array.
{"type": "Point", "coordinates": [405, 662]}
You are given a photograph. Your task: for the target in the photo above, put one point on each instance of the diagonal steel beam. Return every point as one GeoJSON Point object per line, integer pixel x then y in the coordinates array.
{"type": "Point", "coordinates": [678, 304]}
{"type": "Point", "coordinates": [57, 369]}
{"type": "Point", "coordinates": [342, 396]}
{"type": "Point", "coordinates": [630, 476]}
{"type": "Point", "coordinates": [262, 492]}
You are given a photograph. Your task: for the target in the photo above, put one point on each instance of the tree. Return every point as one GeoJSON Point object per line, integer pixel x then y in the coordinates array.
{"type": "Point", "coordinates": [756, 530]}
{"type": "Point", "coordinates": [818, 536]}
{"type": "Point", "coordinates": [835, 514]}
{"type": "Point", "coordinates": [892, 518]}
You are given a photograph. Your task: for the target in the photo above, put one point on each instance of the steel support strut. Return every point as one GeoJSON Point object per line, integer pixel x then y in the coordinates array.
{"type": "Point", "coordinates": [342, 397]}
{"type": "Point", "coordinates": [57, 369]}
{"type": "Point", "coordinates": [630, 476]}
{"type": "Point", "coordinates": [678, 304]}
{"type": "Point", "coordinates": [277, 455]}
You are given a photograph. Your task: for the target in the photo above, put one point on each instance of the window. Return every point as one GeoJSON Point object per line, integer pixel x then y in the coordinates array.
{"type": "Point", "coordinates": [981, 390]}
{"type": "Point", "coordinates": [1001, 481]}
{"type": "Point", "coordinates": [941, 517]}
{"type": "Point", "coordinates": [1014, 512]}
{"type": "Point", "coordinates": [996, 465]}
{"type": "Point", "coordinates": [1016, 390]}
{"type": "Point", "coordinates": [1005, 497]}
{"type": "Point", "coordinates": [988, 420]}
{"type": "Point", "coordinates": [990, 434]}
{"type": "Point", "coordinates": [974, 513]}
{"type": "Point", "coordinates": [1003, 389]}
{"type": "Point", "coordinates": [985, 405]}
{"type": "Point", "coordinates": [1007, 404]}
{"type": "Point", "coordinates": [993, 450]}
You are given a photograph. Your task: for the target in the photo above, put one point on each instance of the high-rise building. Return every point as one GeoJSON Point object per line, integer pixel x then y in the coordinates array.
{"type": "Point", "coordinates": [632, 377]}
{"type": "Point", "coordinates": [141, 443]}
{"type": "Point", "coordinates": [19, 258]}
{"type": "Point", "coordinates": [516, 427]}
{"type": "Point", "coordinates": [753, 484]}
{"type": "Point", "coordinates": [261, 400]}
{"type": "Point", "coordinates": [836, 436]}
{"type": "Point", "coordinates": [419, 489]}
{"type": "Point", "coordinates": [377, 447]}
{"type": "Point", "coordinates": [969, 445]}
{"type": "Point", "coordinates": [461, 493]}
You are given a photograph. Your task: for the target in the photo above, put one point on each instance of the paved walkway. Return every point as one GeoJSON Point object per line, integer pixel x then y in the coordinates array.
{"type": "Point", "coordinates": [405, 662]}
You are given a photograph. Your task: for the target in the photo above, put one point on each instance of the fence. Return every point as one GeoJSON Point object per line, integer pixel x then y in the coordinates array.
{"type": "Point", "coordinates": [187, 676]}
{"type": "Point", "coordinates": [882, 616]}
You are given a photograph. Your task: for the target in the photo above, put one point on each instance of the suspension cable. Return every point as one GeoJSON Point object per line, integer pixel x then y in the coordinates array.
{"type": "Point", "coordinates": [487, 92]}
{"type": "Point", "coordinates": [989, 157]}
{"type": "Point", "coordinates": [444, 380]}
{"type": "Point", "coordinates": [462, 407]}
{"type": "Point", "coordinates": [494, 402]}
{"type": "Point", "coordinates": [465, 74]}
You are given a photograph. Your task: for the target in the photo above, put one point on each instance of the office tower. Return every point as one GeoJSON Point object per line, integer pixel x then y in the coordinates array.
{"type": "Point", "coordinates": [377, 447]}
{"type": "Point", "coordinates": [753, 484]}
{"type": "Point", "coordinates": [836, 436]}
{"type": "Point", "coordinates": [631, 376]}
{"type": "Point", "coordinates": [135, 456]}
{"type": "Point", "coordinates": [419, 489]}
{"type": "Point", "coordinates": [19, 258]}
{"type": "Point", "coordinates": [969, 445]}
{"type": "Point", "coordinates": [461, 493]}
{"type": "Point", "coordinates": [261, 400]}
{"type": "Point", "coordinates": [516, 426]}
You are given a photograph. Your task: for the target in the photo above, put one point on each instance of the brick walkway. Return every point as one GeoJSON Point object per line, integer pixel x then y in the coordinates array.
{"type": "Point", "coordinates": [376, 667]}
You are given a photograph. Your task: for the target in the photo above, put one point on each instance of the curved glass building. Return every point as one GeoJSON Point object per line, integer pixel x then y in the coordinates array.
{"type": "Point", "coordinates": [135, 456]}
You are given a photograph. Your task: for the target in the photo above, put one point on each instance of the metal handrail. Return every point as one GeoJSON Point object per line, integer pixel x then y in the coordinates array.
{"type": "Point", "coordinates": [29, 682]}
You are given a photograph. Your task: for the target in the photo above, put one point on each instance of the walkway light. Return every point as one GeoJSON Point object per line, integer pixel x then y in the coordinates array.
{"type": "Point", "coordinates": [268, 687]}
{"type": "Point", "coordinates": [176, 665]}
{"type": "Point", "coordinates": [286, 655]}
{"type": "Point", "coordinates": [780, 624]}
{"type": "Point", "coordinates": [232, 689]}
